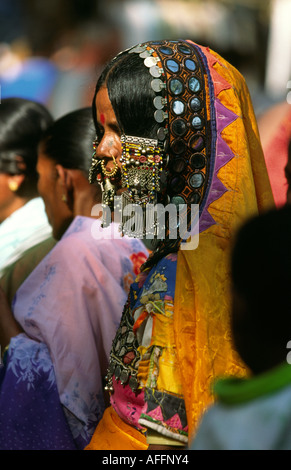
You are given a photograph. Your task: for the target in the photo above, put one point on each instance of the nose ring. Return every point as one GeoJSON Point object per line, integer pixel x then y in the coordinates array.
{"type": "Point", "coordinates": [111, 172]}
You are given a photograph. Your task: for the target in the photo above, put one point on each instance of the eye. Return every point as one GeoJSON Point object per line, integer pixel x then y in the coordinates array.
{"type": "Point", "coordinates": [99, 132]}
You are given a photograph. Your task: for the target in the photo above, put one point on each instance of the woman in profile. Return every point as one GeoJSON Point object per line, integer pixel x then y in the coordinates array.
{"type": "Point", "coordinates": [175, 125]}
{"type": "Point", "coordinates": [23, 221]}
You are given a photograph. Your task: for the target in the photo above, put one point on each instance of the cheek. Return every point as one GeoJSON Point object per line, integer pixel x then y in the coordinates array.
{"type": "Point", "coordinates": [4, 191]}
{"type": "Point", "coordinates": [40, 186]}
{"type": "Point", "coordinates": [46, 192]}
{"type": "Point", "coordinates": [44, 189]}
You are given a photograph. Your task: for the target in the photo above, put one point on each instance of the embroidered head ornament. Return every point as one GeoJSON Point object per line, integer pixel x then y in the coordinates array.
{"type": "Point", "coordinates": [178, 166]}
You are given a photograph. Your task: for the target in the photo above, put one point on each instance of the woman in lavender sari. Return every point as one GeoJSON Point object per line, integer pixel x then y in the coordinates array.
{"type": "Point", "coordinates": [56, 341]}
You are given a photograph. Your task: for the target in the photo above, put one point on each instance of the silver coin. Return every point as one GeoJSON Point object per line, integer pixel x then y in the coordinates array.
{"type": "Point", "coordinates": [150, 61]}
{"type": "Point", "coordinates": [160, 116]}
{"type": "Point", "coordinates": [137, 49]}
{"type": "Point", "coordinates": [162, 133]}
{"type": "Point", "coordinates": [159, 102]}
{"type": "Point", "coordinates": [157, 85]}
{"type": "Point", "coordinates": [156, 71]}
{"type": "Point", "coordinates": [145, 54]}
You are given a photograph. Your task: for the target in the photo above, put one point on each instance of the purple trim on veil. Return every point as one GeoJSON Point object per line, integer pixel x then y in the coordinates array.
{"type": "Point", "coordinates": [224, 117]}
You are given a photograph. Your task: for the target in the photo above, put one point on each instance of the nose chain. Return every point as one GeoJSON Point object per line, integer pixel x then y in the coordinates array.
{"type": "Point", "coordinates": [98, 166]}
{"type": "Point", "coordinates": [111, 172]}
{"type": "Point", "coordinates": [95, 164]}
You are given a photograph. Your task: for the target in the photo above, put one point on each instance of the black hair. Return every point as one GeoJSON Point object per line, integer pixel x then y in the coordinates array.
{"type": "Point", "coordinates": [69, 141]}
{"type": "Point", "coordinates": [128, 82]}
{"type": "Point", "coordinates": [261, 276]}
{"type": "Point", "coordinates": [22, 124]}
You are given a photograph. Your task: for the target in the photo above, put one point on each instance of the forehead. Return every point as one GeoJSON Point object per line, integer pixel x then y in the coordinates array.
{"type": "Point", "coordinates": [103, 105]}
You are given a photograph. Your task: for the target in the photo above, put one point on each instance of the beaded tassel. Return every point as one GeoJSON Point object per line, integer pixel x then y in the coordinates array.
{"type": "Point", "coordinates": [95, 165]}
{"type": "Point", "coordinates": [108, 189]}
{"type": "Point", "coordinates": [141, 166]}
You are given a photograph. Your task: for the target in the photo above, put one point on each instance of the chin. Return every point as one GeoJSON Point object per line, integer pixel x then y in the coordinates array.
{"type": "Point", "coordinates": [58, 231]}
{"type": "Point", "coordinates": [56, 235]}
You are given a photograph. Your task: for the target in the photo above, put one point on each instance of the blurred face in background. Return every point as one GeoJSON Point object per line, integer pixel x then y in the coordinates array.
{"type": "Point", "coordinates": [51, 190]}
{"type": "Point", "coordinates": [9, 200]}
{"type": "Point", "coordinates": [6, 195]}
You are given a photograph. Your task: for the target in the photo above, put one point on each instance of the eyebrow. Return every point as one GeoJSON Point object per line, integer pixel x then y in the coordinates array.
{"type": "Point", "coordinates": [113, 126]}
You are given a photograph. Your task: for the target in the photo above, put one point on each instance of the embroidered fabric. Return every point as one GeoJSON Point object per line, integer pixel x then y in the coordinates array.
{"type": "Point", "coordinates": [143, 367]}
{"type": "Point", "coordinates": [70, 306]}
{"type": "Point", "coordinates": [31, 414]}
{"type": "Point", "coordinates": [179, 309]}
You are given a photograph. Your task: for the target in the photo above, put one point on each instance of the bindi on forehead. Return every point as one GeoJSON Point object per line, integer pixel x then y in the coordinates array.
{"type": "Point", "coordinates": [102, 119]}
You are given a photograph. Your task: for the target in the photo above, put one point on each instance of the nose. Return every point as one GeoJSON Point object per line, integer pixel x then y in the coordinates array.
{"type": "Point", "coordinates": [108, 149]}
{"type": "Point", "coordinates": [103, 148]}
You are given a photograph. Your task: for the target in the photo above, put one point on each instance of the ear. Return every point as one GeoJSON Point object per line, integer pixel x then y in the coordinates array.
{"type": "Point", "coordinates": [15, 181]}
{"type": "Point", "coordinates": [66, 183]}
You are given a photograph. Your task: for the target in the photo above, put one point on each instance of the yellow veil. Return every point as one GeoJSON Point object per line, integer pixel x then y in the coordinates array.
{"type": "Point", "coordinates": [202, 296]}
{"type": "Point", "coordinates": [239, 189]}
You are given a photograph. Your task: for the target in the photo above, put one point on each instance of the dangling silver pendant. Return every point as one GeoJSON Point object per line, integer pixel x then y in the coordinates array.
{"type": "Point", "coordinates": [108, 193]}
{"type": "Point", "coordinates": [94, 170]}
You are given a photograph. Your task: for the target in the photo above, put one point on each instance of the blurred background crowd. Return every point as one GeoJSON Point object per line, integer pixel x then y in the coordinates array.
{"type": "Point", "coordinates": [52, 50]}
{"type": "Point", "coordinates": [52, 53]}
